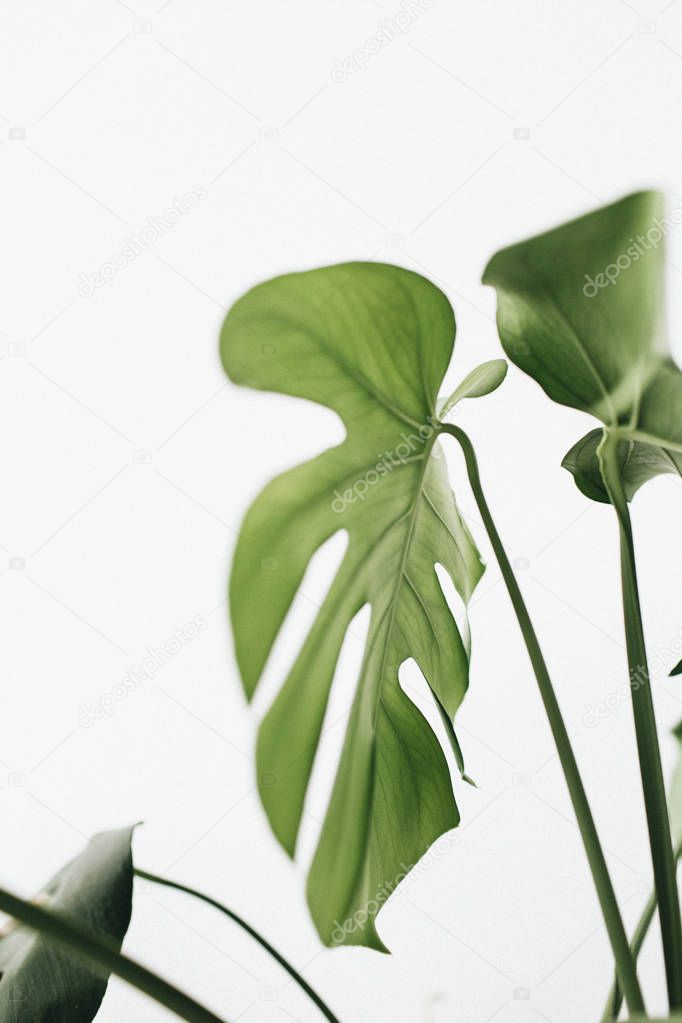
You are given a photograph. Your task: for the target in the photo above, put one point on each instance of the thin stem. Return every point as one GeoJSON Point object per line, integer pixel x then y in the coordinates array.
{"type": "Point", "coordinates": [615, 999]}
{"type": "Point", "coordinates": [103, 952]}
{"type": "Point", "coordinates": [613, 921]}
{"type": "Point", "coordinates": [651, 770]}
{"type": "Point", "coordinates": [293, 973]}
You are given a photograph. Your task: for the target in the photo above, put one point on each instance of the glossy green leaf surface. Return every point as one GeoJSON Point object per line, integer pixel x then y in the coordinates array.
{"type": "Point", "coordinates": [372, 342]}
{"type": "Point", "coordinates": [41, 983]}
{"type": "Point", "coordinates": [580, 310]}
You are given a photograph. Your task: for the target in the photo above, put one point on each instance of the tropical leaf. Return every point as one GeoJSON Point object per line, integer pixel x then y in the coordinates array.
{"type": "Point", "coordinates": [677, 670]}
{"type": "Point", "coordinates": [40, 982]}
{"type": "Point", "coordinates": [579, 309]}
{"type": "Point", "coordinates": [372, 342]}
{"type": "Point", "coordinates": [593, 348]}
{"type": "Point", "coordinates": [639, 463]}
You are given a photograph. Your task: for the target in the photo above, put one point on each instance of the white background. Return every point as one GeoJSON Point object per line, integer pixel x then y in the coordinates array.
{"type": "Point", "coordinates": [413, 160]}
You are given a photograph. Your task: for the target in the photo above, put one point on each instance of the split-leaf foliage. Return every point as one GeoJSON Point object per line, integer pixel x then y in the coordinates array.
{"type": "Point", "coordinates": [372, 342]}
{"type": "Point", "coordinates": [580, 309]}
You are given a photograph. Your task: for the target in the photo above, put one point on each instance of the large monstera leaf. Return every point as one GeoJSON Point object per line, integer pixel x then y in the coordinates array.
{"type": "Point", "coordinates": [580, 309]}
{"type": "Point", "coordinates": [372, 342]}
{"type": "Point", "coordinates": [41, 983]}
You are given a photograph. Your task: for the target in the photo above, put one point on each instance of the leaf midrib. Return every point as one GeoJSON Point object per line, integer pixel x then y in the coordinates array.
{"type": "Point", "coordinates": [582, 350]}
{"type": "Point", "coordinates": [400, 575]}
{"type": "Point", "coordinates": [650, 438]}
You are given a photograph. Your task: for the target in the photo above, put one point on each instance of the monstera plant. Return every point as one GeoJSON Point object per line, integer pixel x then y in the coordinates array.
{"type": "Point", "coordinates": [580, 309]}
{"type": "Point", "coordinates": [58, 950]}
{"type": "Point", "coordinates": [373, 343]}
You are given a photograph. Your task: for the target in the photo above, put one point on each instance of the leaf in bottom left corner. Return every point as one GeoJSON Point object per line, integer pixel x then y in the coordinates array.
{"type": "Point", "coordinates": [42, 983]}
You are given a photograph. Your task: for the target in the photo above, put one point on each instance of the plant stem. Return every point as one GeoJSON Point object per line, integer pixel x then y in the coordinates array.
{"type": "Point", "coordinates": [103, 952]}
{"type": "Point", "coordinates": [653, 785]}
{"type": "Point", "coordinates": [625, 964]}
{"type": "Point", "coordinates": [615, 999]}
{"type": "Point", "coordinates": [293, 973]}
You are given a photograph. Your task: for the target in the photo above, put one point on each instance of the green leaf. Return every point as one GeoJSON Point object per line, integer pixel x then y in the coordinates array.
{"type": "Point", "coordinates": [677, 670]}
{"type": "Point", "coordinates": [659, 418]}
{"type": "Point", "coordinates": [372, 342]}
{"type": "Point", "coordinates": [580, 310]}
{"type": "Point", "coordinates": [639, 463]}
{"type": "Point", "coordinates": [481, 381]}
{"type": "Point", "coordinates": [40, 982]}
{"type": "Point", "coordinates": [591, 347]}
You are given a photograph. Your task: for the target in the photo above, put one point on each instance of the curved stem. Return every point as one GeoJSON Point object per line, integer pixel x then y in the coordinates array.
{"type": "Point", "coordinates": [293, 973]}
{"type": "Point", "coordinates": [615, 999]}
{"type": "Point", "coordinates": [103, 952]}
{"type": "Point", "coordinates": [651, 770]}
{"type": "Point", "coordinates": [625, 964]}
